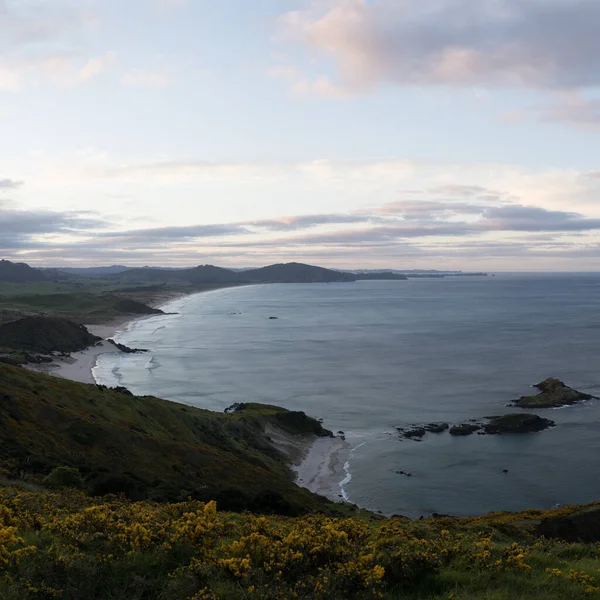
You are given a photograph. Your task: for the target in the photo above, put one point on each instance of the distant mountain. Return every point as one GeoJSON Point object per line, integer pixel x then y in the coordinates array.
{"type": "Point", "coordinates": [281, 273]}
{"type": "Point", "coordinates": [294, 273]}
{"type": "Point", "coordinates": [92, 271]}
{"type": "Point", "coordinates": [20, 273]}
{"type": "Point", "coordinates": [380, 276]}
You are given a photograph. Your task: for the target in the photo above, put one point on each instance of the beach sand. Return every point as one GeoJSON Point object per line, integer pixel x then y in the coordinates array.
{"type": "Point", "coordinates": [317, 461]}
{"type": "Point", "coordinates": [322, 469]}
{"type": "Point", "coordinates": [77, 367]}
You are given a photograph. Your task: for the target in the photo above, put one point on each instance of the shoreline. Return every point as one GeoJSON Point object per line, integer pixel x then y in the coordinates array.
{"type": "Point", "coordinates": [319, 463]}
{"type": "Point", "coordinates": [323, 469]}
{"type": "Point", "coordinates": [79, 366]}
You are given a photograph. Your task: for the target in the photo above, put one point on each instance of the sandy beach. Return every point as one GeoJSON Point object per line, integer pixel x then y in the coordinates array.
{"type": "Point", "coordinates": [77, 367]}
{"type": "Point", "coordinates": [322, 469]}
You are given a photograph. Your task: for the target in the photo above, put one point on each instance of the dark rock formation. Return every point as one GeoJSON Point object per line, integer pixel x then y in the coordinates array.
{"type": "Point", "coordinates": [517, 423]}
{"type": "Point", "coordinates": [464, 429]}
{"type": "Point", "coordinates": [583, 527]}
{"type": "Point", "coordinates": [418, 432]}
{"type": "Point", "coordinates": [553, 393]}
{"type": "Point", "coordinates": [126, 349]}
{"type": "Point", "coordinates": [437, 427]}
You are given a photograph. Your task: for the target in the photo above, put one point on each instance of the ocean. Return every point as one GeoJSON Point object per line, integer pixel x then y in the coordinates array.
{"type": "Point", "coordinates": [368, 357]}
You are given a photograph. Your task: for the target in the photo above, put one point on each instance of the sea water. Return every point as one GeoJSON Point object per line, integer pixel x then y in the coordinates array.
{"type": "Point", "coordinates": [368, 357]}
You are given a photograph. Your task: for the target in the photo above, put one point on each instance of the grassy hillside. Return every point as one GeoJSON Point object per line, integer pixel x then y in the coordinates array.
{"type": "Point", "coordinates": [146, 447]}
{"type": "Point", "coordinates": [82, 306]}
{"type": "Point", "coordinates": [69, 546]}
{"type": "Point", "coordinates": [45, 335]}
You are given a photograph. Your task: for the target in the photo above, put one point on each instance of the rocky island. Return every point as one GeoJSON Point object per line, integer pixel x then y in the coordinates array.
{"type": "Point", "coordinates": [511, 423]}
{"type": "Point", "coordinates": [517, 423]}
{"type": "Point", "coordinates": [553, 394]}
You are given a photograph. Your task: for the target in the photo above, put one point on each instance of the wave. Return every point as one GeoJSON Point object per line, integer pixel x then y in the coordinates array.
{"type": "Point", "coordinates": [348, 477]}
{"type": "Point", "coordinates": [152, 364]}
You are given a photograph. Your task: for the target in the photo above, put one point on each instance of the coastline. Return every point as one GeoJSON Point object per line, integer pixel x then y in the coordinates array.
{"type": "Point", "coordinates": [77, 367]}
{"type": "Point", "coordinates": [80, 365]}
{"type": "Point", "coordinates": [320, 464]}
{"type": "Point", "coordinates": [323, 468]}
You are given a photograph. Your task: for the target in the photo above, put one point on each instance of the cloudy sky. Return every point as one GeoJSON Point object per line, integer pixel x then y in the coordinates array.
{"type": "Point", "coordinates": [451, 134]}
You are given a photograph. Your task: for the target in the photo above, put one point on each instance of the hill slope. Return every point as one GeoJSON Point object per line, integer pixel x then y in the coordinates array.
{"type": "Point", "coordinates": [45, 335]}
{"type": "Point", "coordinates": [147, 447]}
{"type": "Point", "coordinates": [20, 273]}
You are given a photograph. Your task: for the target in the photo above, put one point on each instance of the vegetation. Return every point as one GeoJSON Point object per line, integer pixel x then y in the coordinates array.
{"type": "Point", "coordinates": [144, 447]}
{"type": "Point", "coordinates": [553, 393]}
{"type": "Point", "coordinates": [82, 306]}
{"type": "Point", "coordinates": [62, 478]}
{"type": "Point", "coordinates": [45, 335]}
{"type": "Point", "coordinates": [69, 546]}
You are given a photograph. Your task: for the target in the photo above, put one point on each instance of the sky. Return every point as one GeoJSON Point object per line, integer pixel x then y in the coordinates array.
{"type": "Point", "coordinates": [447, 134]}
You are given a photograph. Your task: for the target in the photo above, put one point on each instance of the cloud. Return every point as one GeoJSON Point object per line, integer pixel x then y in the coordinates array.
{"type": "Point", "coordinates": [379, 226]}
{"type": "Point", "coordinates": [203, 170]}
{"type": "Point", "coordinates": [513, 43]}
{"type": "Point", "coordinates": [146, 78]}
{"type": "Point", "coordinates": [43, 42]}
{"type": "Point", "coordinates": [96, 66]}
{"type": "Point", "coordinates": [181, 233]}
{"type": "Point", "coordinates": [572, 109]}
{"type": "Point", "coordinates": [9, 184]}
{"type": "Point", "coordinates": [302, 85]}
{"type": "Point", "coordinates": [21, 228]}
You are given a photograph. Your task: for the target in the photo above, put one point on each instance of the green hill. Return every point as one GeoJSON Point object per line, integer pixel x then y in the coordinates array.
{"type": "Point", "coordinates": [146, 447]}
{"type": "Point", "coordinates": [45, 335]}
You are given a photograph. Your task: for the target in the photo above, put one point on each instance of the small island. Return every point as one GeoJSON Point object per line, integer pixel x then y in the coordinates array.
{"type": "Point", "coordinates": [553, 394]}
{"type": "Point", "coordinates": [511, 423]}
{"type": "Point", "coordinates": [517, 423]}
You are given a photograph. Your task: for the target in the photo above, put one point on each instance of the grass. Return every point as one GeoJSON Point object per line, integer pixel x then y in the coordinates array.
{"type": "Point", "coordinates": [70, 546]}
{"type": "Point", "coordinates": [87, 301]}
{"type": "Point", "coordinates": [147, 447]}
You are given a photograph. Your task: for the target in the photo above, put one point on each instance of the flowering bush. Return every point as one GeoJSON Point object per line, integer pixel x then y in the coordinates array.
{"type": "Point", "coordinates": [69, 546]}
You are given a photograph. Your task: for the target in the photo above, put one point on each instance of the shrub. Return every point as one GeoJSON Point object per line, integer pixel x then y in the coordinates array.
{"type": "Point", "coordinates": [63, 477]}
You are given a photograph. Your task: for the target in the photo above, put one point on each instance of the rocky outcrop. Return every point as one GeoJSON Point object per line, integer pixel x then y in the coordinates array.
{"type": "Point", "coordinates": [417, 432]}
{"type": "Point", "coordinates": [437, 427]}
{"type": "Point", "coordinates": [517, 423]}
{"type": "Point", "coordinates": [126, 349]}
{"type": "Point", "coordinates": [553, 393]}
{"type": "Point", "coordinates": [496, 425]}
{"type": "Point", "coordinates": [464, 429]}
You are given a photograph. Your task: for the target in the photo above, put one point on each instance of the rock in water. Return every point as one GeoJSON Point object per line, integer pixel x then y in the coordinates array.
{"type": "Point", "coordinates": [437, 427]}
{"type": "Point", "coordinates": [418, 432]}
{"type": "Point", "coordinates": [553, 393]}
{"type": "Point", "coordinates": [465, 429]}
{"type": "Point", "coordinates": [517, 423]}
